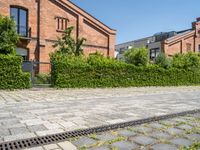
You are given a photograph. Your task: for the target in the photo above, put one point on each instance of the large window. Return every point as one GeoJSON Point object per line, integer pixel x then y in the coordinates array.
{"type": "Point", "coordinates": [199, 49]}
{"type": "Point", "coordinates": [154, 53]}
{"type": "Point", "coordinates": [22, 52]}
{"type": "Point", "coordinates": [20, 16]}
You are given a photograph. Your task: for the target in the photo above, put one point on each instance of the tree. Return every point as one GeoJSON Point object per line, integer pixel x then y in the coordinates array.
{"type": "Point", "coordinates": [8, 36]}
{"type": "Point", "coordinates": [186, 61]}
{"type": "Point", "coordinates": [137, 56]}
{"type": "Point", "coordinates": [68, 45]}
{"type": "Point", "coordinates": [162, 61]}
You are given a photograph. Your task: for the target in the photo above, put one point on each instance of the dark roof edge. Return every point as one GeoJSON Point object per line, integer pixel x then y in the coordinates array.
{"type": "Point", "coordinates": [134, 40]}
{"type": "Point", "coordinates": [184, 31]}
{"type": "Point", "coordinates": [91, 15]}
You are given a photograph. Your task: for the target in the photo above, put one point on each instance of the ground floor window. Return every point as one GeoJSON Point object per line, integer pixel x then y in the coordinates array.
{"type": "Point", "coordinates": [199, 49]}
{"type": "Point", "coordinates": [154, 53]}
{"type": "Point", "coordinates": [22, 52]}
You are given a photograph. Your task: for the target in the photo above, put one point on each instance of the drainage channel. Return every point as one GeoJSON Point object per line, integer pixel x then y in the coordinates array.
{"type": "Point", "coordinates": [45, 140]}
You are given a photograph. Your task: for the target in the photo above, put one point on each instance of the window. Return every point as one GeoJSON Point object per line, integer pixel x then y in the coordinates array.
{"type": "Point", "coordinates": [61, 23]}
{"type": "Point", "coordinates": [22, 52]}
{"type": "Point", "coordinates": [199, 49]}
{"type": "Point", "coordinates": [154, 53]}
{"type": "Point", "coordinates": [20, 17]}
{"type": "Point", "coordinates": [188, 47]}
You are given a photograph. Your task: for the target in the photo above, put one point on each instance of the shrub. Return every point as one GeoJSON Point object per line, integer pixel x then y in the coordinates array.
{"type": "Point", "coordinates": [43, 78]}
{"type": "Point", "coordinates": [186, 61]}
{"type": "Point", "coordinates": [68, 45]}
{"type": "Point", "coordinates": [8, 36]}
{"type": "Point", "coordinates": [162, 61]}
{"type": "Point", "coordinates": [11, 75]}
{"type": "Point", "coordinates": [94, 72]}
{"type": "Point", "coordinates": [137, 56]}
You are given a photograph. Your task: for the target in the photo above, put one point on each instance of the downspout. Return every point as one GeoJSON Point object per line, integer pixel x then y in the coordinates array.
{"type": "Point", "coordinates": [38, 31]}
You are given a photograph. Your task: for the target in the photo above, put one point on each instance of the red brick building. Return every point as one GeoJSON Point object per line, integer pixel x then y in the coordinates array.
{"type": "Point", "coordinates": [40, 22]}
{"type": "Point", "coordinates": [184, 42]}
{"type": "Point", "coordinates": [170, 43]}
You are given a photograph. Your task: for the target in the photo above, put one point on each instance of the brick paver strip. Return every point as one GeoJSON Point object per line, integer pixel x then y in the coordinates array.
{"type": "Point", "coordinates": [91, 107]}
{"type": "Point", "coordinates": [85, 141]}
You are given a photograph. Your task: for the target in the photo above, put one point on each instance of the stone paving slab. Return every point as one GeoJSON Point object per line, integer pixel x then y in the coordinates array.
{"type": "Point", "coordinates": [114, 140]}
{"type": "Point", "coordinates": [39, 112]}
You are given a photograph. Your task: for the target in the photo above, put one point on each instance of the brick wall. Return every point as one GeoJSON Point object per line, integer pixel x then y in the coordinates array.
{"type": "Point", "coordinates": [183, 43]}
{"type": "Point", "coordinates": [99, 36]}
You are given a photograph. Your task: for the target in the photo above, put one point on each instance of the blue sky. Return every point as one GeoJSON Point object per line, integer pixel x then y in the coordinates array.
{"type": "Point", "coordinates": [134, 19]}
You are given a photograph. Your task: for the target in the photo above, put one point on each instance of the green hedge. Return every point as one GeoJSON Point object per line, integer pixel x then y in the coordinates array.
{"type": "Point", "coordinates": [11, 75]}
{"type": "Point", "coordinates": [92, 72]}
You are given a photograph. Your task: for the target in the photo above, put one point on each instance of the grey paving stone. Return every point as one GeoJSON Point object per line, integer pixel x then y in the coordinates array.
{"type": "Point", "coordinates": [100, 148]}
{"type": "Point", "coordinates": [20, 130]}
{"type": "Point", "coordinates": [4, 132]}
{"type": "Point", "coordinates": [143, 129]}
{"type": "Point", "coordinates": [19, 137]}
{"type": "Point", "coordinates": [180, 120]}
{"type": "Point", "coordinates": [124, 145]}
{"type": "Point", "coordinates": [193, 137]}
{"type": "Point", "coordinates": [10, 121]}
{"type": "Point", "coordinates": [37, 128]}
{"type": "Point", "coordinates": [35, 148]}
{"type": "Point", "coordinates": [142, 140]}
{"type": "Point", "coordinates": [67, 146]}
{"type": "Point", "coordinates": [185, 127]}
{"type": "Point", "coordinates": [174, 131]}
{"type": "Point", "coordinates": [106, 137]}
{"type": "Point", "coordinates": [50, 147]}
{"type": "Point", "coordinates": [163, 147]}
{"type": "Point", "coordinates": [160, 135]}
{"type": "Point", "coordinates": [84, 141]}
{"type": "Point", "coordinates": [169, 122]}
{"type": "Point", "coordinates": [181, 142]}
{"type": "Point", "coordinates": [126, 133]}
{"type": "Point", "coordinates": [156, 125]}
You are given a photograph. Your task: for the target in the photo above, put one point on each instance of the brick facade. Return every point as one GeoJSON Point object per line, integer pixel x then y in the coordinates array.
{"type": "Point", "coordinates": [184, 42]}
{"type": "Point", "coordinates": [43, 16]}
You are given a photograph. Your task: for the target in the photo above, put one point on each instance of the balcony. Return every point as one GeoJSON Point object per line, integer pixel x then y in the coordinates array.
{"type": "Point", "coordinates": [24, 32]}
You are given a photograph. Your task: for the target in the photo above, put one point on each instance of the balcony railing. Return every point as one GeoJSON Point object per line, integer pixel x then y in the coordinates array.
{"type": "Point", "coordinates": [23, 31]}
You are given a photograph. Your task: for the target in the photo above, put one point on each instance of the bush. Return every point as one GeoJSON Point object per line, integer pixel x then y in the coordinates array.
{"type": "Point", "coordinates": [68, 45]}
{"type": "Point", "coordinates": [8, 36]}
{"type": "Point", "coordinates": [92, 72]}
{"type": "Point", "coordinates": [137, 56]}
{"type": "Point", "coordinates": [186, 61]}
{"type": "Point", "coordinates": [11, 75]}
{"type": "Point", "coordinates": [43, 78]}
{"type": "Point", "coordinates": [162, 61]}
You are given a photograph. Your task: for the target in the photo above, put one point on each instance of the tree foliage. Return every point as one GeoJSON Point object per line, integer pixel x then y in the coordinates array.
{"type": "Point", "coordinates": [137, 56]}
{"type": "Point", "coordinates": [68, 45]}
{"type": "Point", "coordinates": [162, 61]}
{"type": "Point", "coordinates": [186, 61]}
{"type": "Point", "coordinates": [8, 36]}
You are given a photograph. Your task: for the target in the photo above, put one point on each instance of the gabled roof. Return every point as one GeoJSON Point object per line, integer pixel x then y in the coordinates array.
{"type": "Point", "coordinates": [179, 36]}
{"type": "Point", "coordinates": [80, 11]}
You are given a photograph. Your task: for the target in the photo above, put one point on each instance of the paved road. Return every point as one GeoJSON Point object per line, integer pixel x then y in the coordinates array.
{"type": "Point", "coordinates": [180, 133]}
{"type": "Point", "coordinates": [39, 112]}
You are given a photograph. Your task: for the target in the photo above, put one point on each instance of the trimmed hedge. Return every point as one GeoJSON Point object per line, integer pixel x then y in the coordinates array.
{"type": "Point", "coordinates": [69, 72]}
{"type": "Point", "coordinates": [11, 75]}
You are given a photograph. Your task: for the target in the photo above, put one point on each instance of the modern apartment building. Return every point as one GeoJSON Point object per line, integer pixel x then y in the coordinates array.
{"type": "Point", "coordinates": [169, 43]}
{"type": "Point", "coordinates": [40, 22]}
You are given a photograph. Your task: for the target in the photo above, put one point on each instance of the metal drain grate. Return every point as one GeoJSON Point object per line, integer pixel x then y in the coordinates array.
{"type": "Point", "coordinates": [39, 141]}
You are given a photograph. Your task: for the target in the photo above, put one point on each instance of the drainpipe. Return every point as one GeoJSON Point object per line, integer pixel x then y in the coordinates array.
{"type": "Point", "coordinates": [38, 31]}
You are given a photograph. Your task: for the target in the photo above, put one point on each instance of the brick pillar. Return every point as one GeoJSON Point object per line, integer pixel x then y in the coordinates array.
{"type": "Point", "coordinates": [111, 45]}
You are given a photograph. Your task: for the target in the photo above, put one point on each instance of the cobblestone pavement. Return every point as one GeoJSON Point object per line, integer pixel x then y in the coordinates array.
{"type": "Point", "coordinates": [40, 112]}
{"type": "Point", "coordinates": [181, 133]}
